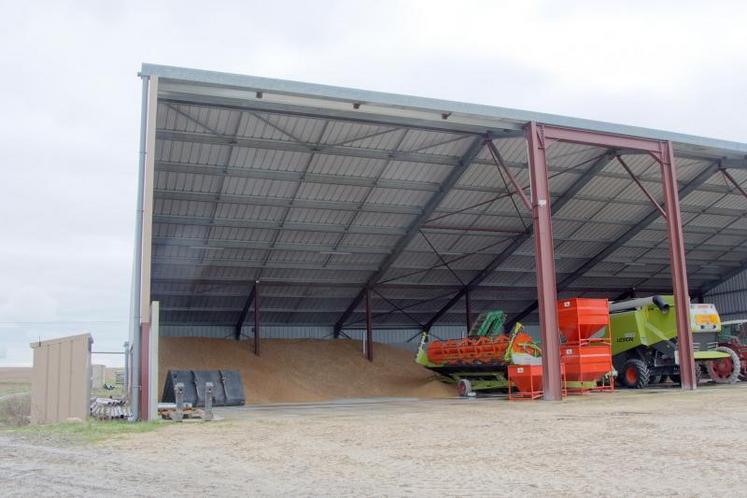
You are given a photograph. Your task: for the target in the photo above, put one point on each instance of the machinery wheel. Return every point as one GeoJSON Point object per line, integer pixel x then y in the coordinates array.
{"type": "Point", "coordinates": [725, 370]}
{"type": "Point", "coordinates": [635, 374]}
{"type": "Point", "coordinates": [655, 379]}
{"type": "Point", "coordinates": [464, 387]}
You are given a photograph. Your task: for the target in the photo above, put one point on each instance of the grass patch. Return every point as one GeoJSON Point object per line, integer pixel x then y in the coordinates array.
{"type": "Point", "coordinates": [15, 410]}
{"type": "Point", "coordinates": [90, 431]}
{"type": "Point", "coordinates": [7, 387]}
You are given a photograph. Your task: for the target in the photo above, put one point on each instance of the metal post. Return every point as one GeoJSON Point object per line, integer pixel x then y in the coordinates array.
{"type": "Point", "coordinates": [678, 266]}
{"type": "Point", "coordinates": [545, 263]}
{"type": "Point", "coordinates": [144, 369]}
{"type": "Point", "coordinates": [208, 401]}
{"type": "Point", "coordinates": [134, 394]}
{"type": "Point", "coordinates": [368, 341]}
{"type": "Point", "coordinates": [468, 311]}
{"type": "Point", "coordinates": [256, 318]}
{"type": "Point", "coordinates": [125, 380]}
{"type": "Point", "coordinates": [179, 399]}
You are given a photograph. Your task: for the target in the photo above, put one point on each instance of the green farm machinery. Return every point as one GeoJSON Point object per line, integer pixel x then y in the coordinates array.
{"type": "Point", "coordinates": [644, 342]}
{"type": "Point", "coordinates": [480, 361]}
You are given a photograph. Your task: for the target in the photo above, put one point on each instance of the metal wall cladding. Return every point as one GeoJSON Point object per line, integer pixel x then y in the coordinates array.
{"type": "Point", "coordinates": [196, 119]}
{"type": "Point", "coordinates": [280, 127]}
{"type": "Point", "coordinates": [269, 160]}
{"type": "Point", "coordinates": [346, 166]}
{"type": "Point", "coordinates": [175, 151]}
{"type": "Point", "coordinates": [700, 198]}
{"type": "Point", "coordinates": [398, 197]}
{"type": "Point", "coordinates": [356, 135]}
{"type": "Point", "coordinates": [730, 297]}
{"type": "Point", "coordinates": [384, 220]}
{"type": "Point", "coordinates": [416, 172]}
{"type": "Point", "coordinates": [61, 379]}
{"type": "Point", "coordinates": [437, 143]}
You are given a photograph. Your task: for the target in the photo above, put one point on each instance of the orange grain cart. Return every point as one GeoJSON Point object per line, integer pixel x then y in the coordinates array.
{"type": "Point", "coordinates": [586, 352]}
{"type": "Point", "coordinates": [525, 382]}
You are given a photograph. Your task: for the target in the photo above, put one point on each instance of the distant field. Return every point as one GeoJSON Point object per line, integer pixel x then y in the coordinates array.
{"type": "Point", "coordinates": [14, 380]}
{"type": "Point", "coordinates": [15, 374]}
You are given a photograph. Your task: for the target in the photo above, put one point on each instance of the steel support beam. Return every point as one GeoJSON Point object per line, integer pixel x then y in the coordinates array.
{"type": "Point", "coordinates": [517, 242]}
{"type": "Point", "coordinates": [734, 182]}
{"type": "Point", "coordinates": [678, 267]}
{"type": "Point", "coordinates": [245, 312]}
{"type": "Point", "coordinates": [344, 151]}
{"type": "Point", "coordinates": [256, 319]}
{"type": "Point", "coordinates": [412, 230]}
{"type": "Point", "coordinates": [642, 187]}
{"type": "Point", "coordinates": [518, 190]}
{"type": "Point", "coordinates": [368, 340]}
{"type": "Point", "coordinates": [620, 241]}
{"type": "Point", "coordinates": [545, 265]}
{"type": "Point", "coordinates": [467, 311]}
{"type": "Point", "coordinates": [549, 134]}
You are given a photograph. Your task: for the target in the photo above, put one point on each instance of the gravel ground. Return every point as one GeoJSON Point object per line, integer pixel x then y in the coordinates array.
{"type": "Point", "coordinates": [662, 442]}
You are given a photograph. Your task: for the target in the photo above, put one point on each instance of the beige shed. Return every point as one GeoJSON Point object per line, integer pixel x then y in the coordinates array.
{"type": "Point", "coordinates": [61, 378]}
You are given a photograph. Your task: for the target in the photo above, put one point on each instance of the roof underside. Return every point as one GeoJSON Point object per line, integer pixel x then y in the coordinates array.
{"type": "Point", "coordinates": [315, 195]}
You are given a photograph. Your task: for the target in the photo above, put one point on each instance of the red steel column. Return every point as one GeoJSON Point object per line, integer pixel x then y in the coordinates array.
{"type": "Point", "coordinates": [256, 318]}
{"type": "Point", "coordinates": [547, 296]}
{"type": "Point", "coordinates": [678, 267]}
{"type": "Point", "coordinates": [369, 328]}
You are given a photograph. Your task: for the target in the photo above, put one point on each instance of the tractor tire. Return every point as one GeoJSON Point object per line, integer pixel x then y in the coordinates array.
{"type": "Point", "coordinates": [635, 374]}
{"type": "Point", "coordinates": [725, 370]}
{"type": "Point", "coordinates": [464, 388]}
{"type": "Point", "coordinates": [655, 379]}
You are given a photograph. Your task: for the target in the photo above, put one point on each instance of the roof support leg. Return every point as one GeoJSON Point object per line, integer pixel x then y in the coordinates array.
{"type": "Point", "coordinates": [368, 341]}
{"type": "Point", "coordinates": [245, 312]}
{"type": "Point", "coordinates": [467, 311]}
{"type": "Point", "coordinates": [545, 265]}
{"type": "Point", "coordinates": [257, 342]}
{"type": "Point", "coordinates": [678, 266]}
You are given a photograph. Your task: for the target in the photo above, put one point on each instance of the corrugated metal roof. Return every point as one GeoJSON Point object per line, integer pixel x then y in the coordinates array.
{"type": "Point", "coordinates": [312, 196]}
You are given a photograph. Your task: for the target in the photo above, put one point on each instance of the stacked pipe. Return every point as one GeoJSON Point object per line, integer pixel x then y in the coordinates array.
{"type": "Point", "coordinates": [109, 408]}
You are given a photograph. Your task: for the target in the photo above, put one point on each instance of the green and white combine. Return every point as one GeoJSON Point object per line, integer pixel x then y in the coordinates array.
{"type": "Point", "coordinates": [644, 341]}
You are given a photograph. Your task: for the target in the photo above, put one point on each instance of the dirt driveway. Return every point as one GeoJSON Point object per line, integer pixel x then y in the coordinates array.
{"type": "Point", "coordinates": [662, 442]}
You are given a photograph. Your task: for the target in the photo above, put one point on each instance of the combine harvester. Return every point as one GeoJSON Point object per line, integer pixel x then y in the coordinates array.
{"type": "Point", "coordinates": [489, 359]}
{"type": "Point", "coordinates": [644, 345]}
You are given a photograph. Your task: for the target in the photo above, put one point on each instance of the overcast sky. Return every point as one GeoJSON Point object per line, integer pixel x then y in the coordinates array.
{"type": "Point", "coordinates": [71, 97]}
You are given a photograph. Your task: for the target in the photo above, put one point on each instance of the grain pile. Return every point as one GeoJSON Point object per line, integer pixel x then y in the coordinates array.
{"type": "Point", "coordinates": [305, 369]}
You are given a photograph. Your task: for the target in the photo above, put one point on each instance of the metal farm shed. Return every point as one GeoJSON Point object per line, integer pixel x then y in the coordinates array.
{"type": "Point", "coordinates": [341, 212]}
